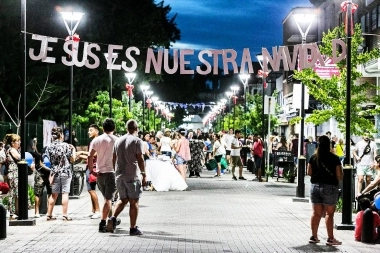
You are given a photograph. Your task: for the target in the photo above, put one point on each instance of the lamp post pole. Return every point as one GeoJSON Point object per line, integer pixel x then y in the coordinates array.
{"type": "Point", "coordinates": [71, 16]}
{"type": "Point", "coordinates": [229, 96]}
{"type": "Point", "coordinates": [144, 88]}
{"type": "Point", "coordinates": [154, 101]}
{"type": "Point", "coordinates": [300, 193]}
{"type": "Point", "coordinates": [112, 59]}
{"type": "Point", "coordinates": [347, 178]}
{"type": "Point", "coordinates": [244, 79]}
{"type": "Point", "coordinates": [148, 93]}
{"type": "Point", "coordinates": [234, 89]}
{"type": "Point", "coordinates": [131, 77]}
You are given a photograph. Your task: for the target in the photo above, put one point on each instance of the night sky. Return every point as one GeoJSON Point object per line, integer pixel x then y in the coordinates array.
{"type": "Point", "coordinates": [231, 24]}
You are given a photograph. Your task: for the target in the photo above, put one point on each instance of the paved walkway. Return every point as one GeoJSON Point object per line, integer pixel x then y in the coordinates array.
{"type": "Point", "coordinates": [217, 215]}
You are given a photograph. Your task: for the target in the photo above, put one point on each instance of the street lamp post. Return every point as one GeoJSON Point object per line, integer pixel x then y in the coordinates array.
{"type": "Point", "coordinates": [308, 19]}
{"type": "Point", "coordinates": [71, 16]}
{"type": "Point", "coordinates": [144, 89]}
{"type": "Point", "coordinates": [131, 77]}
{"type": "Point", "coordinates": [223, 102]}
{"type": "Point", "coordinates": [234, 89]}
{"type": "Point", "coordinates": [148, 93]}
{"type": "Point", "coordinates": [244, 79]}
{"type": "Point", "coordinates": [229, 96]}
{"type": "Point", "coordinates": [154, 101]}
{"type": "Point", "coordinates": [111, 59]}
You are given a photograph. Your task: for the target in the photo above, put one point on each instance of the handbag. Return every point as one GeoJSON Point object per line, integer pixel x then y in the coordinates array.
{"type": "Point", "coordinates": [4, 188]}
{"type": "Point", "coordinates": [211, 164]}
{"type": "Point", "coordinates": [92, 177]}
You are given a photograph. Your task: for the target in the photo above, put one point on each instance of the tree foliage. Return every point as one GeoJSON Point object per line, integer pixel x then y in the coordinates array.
{"type": "Point", "coordinates": [332, 92]}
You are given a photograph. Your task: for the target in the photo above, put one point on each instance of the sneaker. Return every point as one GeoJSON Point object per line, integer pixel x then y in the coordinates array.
{"type": "Point", "coordinates": [37, 216]}
{"type": "Point", "coordinates": [313, 240]}
{"type": "Point", "coordinates": [135, 231]}
{"type": "Point", "coordinates": [89, 215]}
{"type": "Point", "coordinates": [95, 216]}
{"type": "Point", "coordinates": [234, 178]}
{"type": "Point", "coordinates": [118, 221]}
{"type": "Point", "coordinates": [242, 178]}
{"type": "Point", "coordinates": [102, 227]}
{"type": "Point", "coordinates": [333, 242]}
{"type": "Point", "coordinates": [111, 224]}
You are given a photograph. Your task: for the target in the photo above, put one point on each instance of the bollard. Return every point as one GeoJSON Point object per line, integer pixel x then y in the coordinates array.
{"type": "Point", "coordinates": [367, 226]}
{"type": "Point", "coordinates": [301, 177]}
{"type": "Point", "coordinates": [43, 202]}
{"type": "Point", "coordinates": [347, 198]}
{"type": "Point", "coordinates": [3, 222]}
{"type": "Point", "coordinates": [22, 190]}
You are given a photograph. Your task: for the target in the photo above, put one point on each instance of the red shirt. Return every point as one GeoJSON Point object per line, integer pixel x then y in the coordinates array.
{"type": "Point", "coordinates": [258, 148]}
{"type": "Point", "coordinates": [359, 222]}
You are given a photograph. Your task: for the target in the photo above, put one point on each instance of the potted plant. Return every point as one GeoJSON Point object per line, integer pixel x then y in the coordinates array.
{"type": "Point", "coordinates": [290, 176]}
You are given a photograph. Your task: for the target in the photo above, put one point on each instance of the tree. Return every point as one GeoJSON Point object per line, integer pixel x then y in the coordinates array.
{"type": "Point", "coordinates": [332, 92]}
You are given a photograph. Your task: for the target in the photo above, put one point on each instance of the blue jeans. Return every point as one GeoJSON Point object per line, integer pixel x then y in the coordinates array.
{"type": "Point", "coordinates": [258, 161]}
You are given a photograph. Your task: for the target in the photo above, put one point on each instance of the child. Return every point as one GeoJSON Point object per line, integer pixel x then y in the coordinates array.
{"type": "Point", "coordinates": [364, 204]}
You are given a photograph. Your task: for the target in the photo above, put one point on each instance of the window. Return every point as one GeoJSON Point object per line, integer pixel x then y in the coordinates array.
{"type": "Point", "coordinates": [367, 22]}
{"type": "Point", "coordinates": [378, 15]}
{"type": "Point", "coordinates": [374, 18]}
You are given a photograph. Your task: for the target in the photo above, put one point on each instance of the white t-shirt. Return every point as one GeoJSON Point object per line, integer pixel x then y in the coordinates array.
{"type": "Point", "coordinates": [103, 145]}
{"type": "Point", "coordinates": [219, 148]}
{"type": "Point", "coordinates": [235, 151]}
{"type": "Point", "coordinates": [367, 159]}
{"type": "Point", "coordinates": [228, 139]}
{"type": "Point", "coordinates": [165, 144]}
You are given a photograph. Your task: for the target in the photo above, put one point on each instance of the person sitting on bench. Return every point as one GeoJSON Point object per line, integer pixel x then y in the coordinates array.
{"type": "Point", "coordinates": [364, 205]}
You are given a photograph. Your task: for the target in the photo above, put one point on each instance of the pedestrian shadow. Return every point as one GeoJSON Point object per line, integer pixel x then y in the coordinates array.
{"type": "Point", "coordinates": [161, 235]}
{"type": "Point", "coordinates": [312, 247]}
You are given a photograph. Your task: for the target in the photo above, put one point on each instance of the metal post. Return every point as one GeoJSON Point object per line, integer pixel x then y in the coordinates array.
{"type": "Point", "coordinates": [265, 145]}
{"type": "Point", "coordinates": [301, 177]}
{"type": "Point", "coordinates": [233, 122]}
{"type": "Point", "coordinates": [22, 165]}
{"type": "Point", "coordinates": [3, 222]}
{"type": "Point", "coordinates": [130, 103]}
{"type": "Point", "coordinates": [347, 178]}
{"type": "Point", "coordinates": [245, 115]}
{"type": "Point", "coordinates": [71, 93]}
{"type": "Point", "coordinates": [110, 93]}
{"type": "Point", "coordinates": [143, 111]}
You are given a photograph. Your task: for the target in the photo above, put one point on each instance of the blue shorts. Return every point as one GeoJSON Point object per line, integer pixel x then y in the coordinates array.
{"type": "Point", "coordinates": [324, 194]}
{"type": "Point", "coordinates": [180, 160]}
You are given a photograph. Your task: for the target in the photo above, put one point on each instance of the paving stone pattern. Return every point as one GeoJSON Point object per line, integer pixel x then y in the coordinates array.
{"type": "Point", "coordinates": [217, 215]}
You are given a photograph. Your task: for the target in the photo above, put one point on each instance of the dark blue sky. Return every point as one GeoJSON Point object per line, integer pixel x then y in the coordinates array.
{"type": "Point", "coordinates": [231, 24]}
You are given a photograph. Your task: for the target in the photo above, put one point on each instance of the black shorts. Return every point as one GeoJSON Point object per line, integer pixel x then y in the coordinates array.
{"type": "Point", "coordinates": [228, 152]}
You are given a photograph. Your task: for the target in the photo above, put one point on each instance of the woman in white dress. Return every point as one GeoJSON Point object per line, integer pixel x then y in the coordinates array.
{"type": "Point", "coordinates": [166, 144]}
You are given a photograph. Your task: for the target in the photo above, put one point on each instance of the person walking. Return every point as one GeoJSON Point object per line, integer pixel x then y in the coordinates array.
{"type": "Point", "coordinates": [13, 157]}
{"type": "Point", "coordinates": [219, 150]}
{"type": "Point", "coordinates": [325, 170]}
{"type": "Point", "coordinates": [257, 150]}
{"type": "Point", "coordinates": [166, 145]}
{"type": "Point", "coordinates": [93, 132]}
{"type": "Point", "coordinates": [103, 147]}
{"type": "Point", "coordinates": [197, 156]}
{"type": "Point", "coordinates": [60, 154]}
{"type": "Point", "coordinates": [365, 152]}
{"type": "Point", "coordinates": [182, 153]}
{"type": "Point", "coordinates": [128, 163]}
{"type": "Point", "coordinates": [339, 150]}
{"type": "Point", "coordinates": [228, 137]}
{"type": "Point", "coordinates": [235, 155]}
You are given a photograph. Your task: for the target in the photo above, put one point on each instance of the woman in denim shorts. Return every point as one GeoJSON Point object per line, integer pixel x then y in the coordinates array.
{"type": "Point", "coordinates": [325, 170]}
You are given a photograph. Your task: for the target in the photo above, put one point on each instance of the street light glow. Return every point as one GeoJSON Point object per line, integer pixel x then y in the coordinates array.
{"type": "Point", "coordinates": [69, 15]}
{"type": "Point", "coordinates": [304, 18]}
{"type": "Point", "coordinates": [229, 94]}
{"type": "Point", "coordinates": [130, 76]}
{"type": "Point", "coordinates": [144, 87]}
{"type": "Point", "coordinates": [244, 79]}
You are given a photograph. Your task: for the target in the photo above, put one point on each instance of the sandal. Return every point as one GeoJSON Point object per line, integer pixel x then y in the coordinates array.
{"type": "Point", "coordinates": [67, 218]}
{"type": "Point", "coordinates": [50, 217]}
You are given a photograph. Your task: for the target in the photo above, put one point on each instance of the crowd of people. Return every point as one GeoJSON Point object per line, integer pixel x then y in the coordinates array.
{"type": "Point", "coordinates": [117, 166]}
